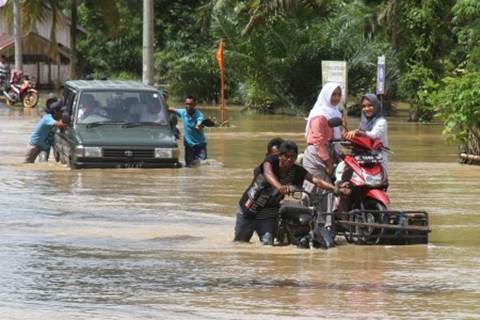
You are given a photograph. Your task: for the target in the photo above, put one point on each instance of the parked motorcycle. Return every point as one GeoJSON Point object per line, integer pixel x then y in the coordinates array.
{"type": "Point", "coordinates": [20, 90]}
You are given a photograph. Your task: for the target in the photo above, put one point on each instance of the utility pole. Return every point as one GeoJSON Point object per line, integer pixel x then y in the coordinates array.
{"type": "Point", "coordinates": [148, 42]}
{"type": "Point", "coordinates": [73, 39]}
{"type": "Point", "coordinates": [17, 25]}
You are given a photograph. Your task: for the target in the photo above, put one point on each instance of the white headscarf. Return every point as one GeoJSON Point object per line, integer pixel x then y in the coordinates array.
{"type": "Point", "coordinates": [323, 107]}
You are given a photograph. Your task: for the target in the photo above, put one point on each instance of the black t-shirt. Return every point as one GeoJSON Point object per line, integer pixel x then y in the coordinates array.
{"type": "Point", "coordinates": [261, 200]}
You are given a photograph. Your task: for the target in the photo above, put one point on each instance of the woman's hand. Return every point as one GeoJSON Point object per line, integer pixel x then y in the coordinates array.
{"type": "Point", "coordinates": [350, 134]}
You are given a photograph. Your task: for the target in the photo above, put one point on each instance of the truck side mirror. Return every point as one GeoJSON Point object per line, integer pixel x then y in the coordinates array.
{"type": "Point", "coordinates": [66, 117]}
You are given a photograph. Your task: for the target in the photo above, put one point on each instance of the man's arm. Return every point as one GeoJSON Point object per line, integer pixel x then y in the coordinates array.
{"type": "Point", "coordinates": [325, 185]}
{"type": "Point", "coordinates": [200, 118]}
{"type": "Point", "coordinates": [270, 177]}
{"type": "Point", "coordinates": [59, 124]}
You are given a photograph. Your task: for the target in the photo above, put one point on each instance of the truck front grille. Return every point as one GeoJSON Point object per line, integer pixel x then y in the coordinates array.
{"type": "Point", "coordinates": [128, 153]}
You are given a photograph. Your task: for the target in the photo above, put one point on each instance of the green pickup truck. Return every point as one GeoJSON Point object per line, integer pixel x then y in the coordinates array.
{"type": "Point", "coordinates": [115, 124]}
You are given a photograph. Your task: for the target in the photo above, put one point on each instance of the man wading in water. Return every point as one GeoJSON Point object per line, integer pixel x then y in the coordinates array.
{"type": "Point", "coordinates": [259, 205]}
{"type": "Point", "coordinates": [193, 136]}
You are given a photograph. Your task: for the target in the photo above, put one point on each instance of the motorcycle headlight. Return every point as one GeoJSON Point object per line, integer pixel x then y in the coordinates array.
{"type": "Point", "coordinates": [166, 153]}
{"type": "Point", "coordinates": [88, 152]}
{"type": "Point", "coordinates": [375, 180]}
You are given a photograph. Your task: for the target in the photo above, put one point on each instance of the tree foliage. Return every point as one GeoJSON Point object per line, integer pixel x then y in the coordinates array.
{"type": "Point", "coordinates": [457, 103]}
{"type": "Point", "coordinates": [274, 48]}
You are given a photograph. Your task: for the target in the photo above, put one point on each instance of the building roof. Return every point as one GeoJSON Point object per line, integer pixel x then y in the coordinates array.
{"type": "Point", "coordinates": [6, 40]}
{"type": "Point", "coordinates": [108, 85]}
{"type": "Point", "coordinates": [33, 44]}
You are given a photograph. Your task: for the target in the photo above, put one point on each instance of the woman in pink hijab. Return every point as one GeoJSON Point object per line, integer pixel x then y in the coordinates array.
{"type": "Point", "coordinates": [318, 158]}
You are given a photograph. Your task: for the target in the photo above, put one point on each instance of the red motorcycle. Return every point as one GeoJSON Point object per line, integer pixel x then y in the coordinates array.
{"type": "Point", "coordinates": [21, 90]}
{"type": "Point", "coordinates": [363, 217]}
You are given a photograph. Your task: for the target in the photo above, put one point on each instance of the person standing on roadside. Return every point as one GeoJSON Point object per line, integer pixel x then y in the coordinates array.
{"type": "Point", "coordinates": [194, 139]}
{"type": "Point", "coordinates": [42, 136]}
{"type": "Point", "coordinates": [4, 72]}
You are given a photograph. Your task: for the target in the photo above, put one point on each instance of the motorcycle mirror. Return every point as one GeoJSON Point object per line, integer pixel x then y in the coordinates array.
{"type": "Point", "coordinates": [335, 122]}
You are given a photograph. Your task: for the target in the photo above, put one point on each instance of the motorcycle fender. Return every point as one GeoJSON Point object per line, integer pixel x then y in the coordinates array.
{"type": "Point", "coordinates": [378, 195]}
{"type": "Point", "coordinates": [32, 90]}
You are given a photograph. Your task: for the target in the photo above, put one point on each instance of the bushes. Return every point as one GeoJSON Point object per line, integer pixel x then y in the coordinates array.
{"type": "Point", "coordinates": [416, 84]}
{"type": "Point", "coordinates": [458, 105]}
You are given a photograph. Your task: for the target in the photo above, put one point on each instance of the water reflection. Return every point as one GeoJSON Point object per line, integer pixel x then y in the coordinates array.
{"type": "Point", "coordinates": [149, 244]}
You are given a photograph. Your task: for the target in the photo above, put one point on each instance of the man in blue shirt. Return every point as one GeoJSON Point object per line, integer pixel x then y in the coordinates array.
{"type": "Point", "coordinates": [42, 136]}
{"type": "Point", "coordinates": [193, 137]}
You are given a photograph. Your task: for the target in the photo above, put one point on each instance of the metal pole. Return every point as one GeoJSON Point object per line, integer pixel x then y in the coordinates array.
{"type": "Point", "coordinates": [148, 42]}
{"type": "Point", "coordinates": [73, 40]}
{"type": "Point", "coordinates": [17, 26]}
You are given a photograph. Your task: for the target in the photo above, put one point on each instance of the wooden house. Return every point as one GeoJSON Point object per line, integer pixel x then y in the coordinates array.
{"type": "Point", "coordinates": [45, 66]}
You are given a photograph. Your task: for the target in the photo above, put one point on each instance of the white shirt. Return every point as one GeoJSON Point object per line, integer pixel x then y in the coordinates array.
{"type": "Point", "coordinates": [379, 131]}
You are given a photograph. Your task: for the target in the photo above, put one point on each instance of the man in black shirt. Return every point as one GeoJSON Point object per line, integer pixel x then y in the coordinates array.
{"type": "Point", "coordinates": [259, 205]}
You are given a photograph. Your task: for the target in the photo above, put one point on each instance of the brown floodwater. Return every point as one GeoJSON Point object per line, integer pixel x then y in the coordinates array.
{"type": "Point", "coordinates": [157, 243]}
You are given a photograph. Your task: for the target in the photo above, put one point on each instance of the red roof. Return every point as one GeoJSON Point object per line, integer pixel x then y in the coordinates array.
{"type": "Point", "coordinates": [6, 40]}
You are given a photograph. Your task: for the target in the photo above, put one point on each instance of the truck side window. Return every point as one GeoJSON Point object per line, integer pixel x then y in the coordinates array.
{"type": "Point", "coordinates": [69, 113]}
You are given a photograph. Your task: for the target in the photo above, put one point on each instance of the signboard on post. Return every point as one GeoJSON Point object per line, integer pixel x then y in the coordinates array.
{"type": "Point", "coordinates": [336, 71]}
{"type": "Point", "coordinates": [381, 75]}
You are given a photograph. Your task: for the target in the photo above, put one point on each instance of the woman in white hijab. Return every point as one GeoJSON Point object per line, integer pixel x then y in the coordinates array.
{"type": "Point", "coordinates": [318, 159]}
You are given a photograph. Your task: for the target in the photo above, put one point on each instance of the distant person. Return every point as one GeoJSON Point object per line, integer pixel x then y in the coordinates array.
{"type": "Point", "coordinates": [273, 146]}
{"type": "Point", "coordinates": [42, 136]}
{"type": "Point", "coordinates": [273, 149]}
{"type": "Point", "coordinates": [193, 136]}
{"type": "Point", "coordinates": [372, 124]}
{"type": "Point", "coordinates": [155, 112]}
{"type": "Point", "coordinates": [259, 205]}
{"type": "Point", "coordinates": [88, 107]}
{"type": "Point", "coordinates": [4, 72]}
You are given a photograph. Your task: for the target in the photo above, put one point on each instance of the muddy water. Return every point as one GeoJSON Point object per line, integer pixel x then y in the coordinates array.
{"type": "Point", "coordinates": [157, 243]}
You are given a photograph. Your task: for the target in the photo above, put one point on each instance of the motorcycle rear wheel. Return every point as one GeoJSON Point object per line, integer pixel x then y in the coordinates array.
{"type": "Point", "coordinates": [30, 99]}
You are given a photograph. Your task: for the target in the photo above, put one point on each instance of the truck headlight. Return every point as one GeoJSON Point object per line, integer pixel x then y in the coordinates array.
{"type": "Point", "coordinates": [88, 152]}
{"type": "Point", "coordinates": [166, 153]}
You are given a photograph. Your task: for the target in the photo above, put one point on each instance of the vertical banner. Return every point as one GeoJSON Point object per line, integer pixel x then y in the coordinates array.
{"type": "Point", "coordinates": [222, 81]}
{"type": "Point", "coordinates": [336, 71]}
{"type": "Point", "coordinates": [381, 77]}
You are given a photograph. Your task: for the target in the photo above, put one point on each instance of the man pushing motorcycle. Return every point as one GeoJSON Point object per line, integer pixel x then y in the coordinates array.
{"type": "Point", "coordinates": [260, 203]}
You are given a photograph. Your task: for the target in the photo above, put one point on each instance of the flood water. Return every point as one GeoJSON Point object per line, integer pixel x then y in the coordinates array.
{"type": "Point", "coordinates": [157, 243]}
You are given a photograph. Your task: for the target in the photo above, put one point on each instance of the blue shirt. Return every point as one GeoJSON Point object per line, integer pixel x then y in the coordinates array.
{"type": "Point", "coordinates": [191, 136]}
{"type": "Point", "coordinates": [42, 135]}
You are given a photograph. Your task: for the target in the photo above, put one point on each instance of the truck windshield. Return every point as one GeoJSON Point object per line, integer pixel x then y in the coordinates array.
{"type": "Point", "coordinates": [121, 106]}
